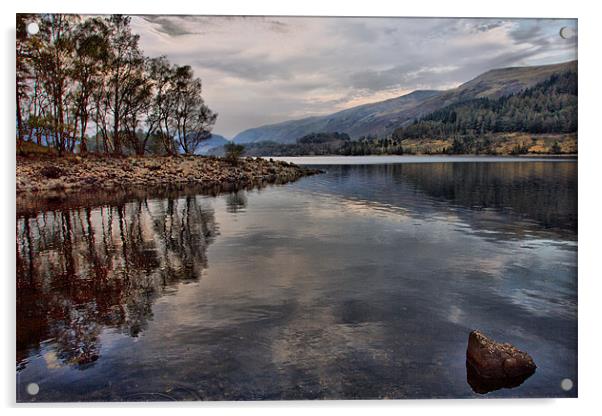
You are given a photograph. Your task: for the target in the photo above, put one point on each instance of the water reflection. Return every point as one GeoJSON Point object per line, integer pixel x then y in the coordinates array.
{"type": "Point", "coordinates": [360, 283]}
{"type": "Point", "coordinates": [511, 199]}
{"type": "Point", "coordinates": [482, 385]}
{"type": "Point", "coordinates": [236, 201]}
{"type": "Point", "coordinates": [81, 270]}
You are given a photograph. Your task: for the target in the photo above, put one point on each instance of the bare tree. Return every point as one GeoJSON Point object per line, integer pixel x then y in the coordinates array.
{"type": "Point", "coordinates": [125, 61]}
{"type": "Point", "coordinates": [53, 60]}
{"type": "Point", "coordinates": [159, 73]}
{"type": "Point", "coordinates": [191, 118]}
{"type": "Point", "coordinates": [92, 48]}
{"type": "Point", "coordinates": [23, 70]}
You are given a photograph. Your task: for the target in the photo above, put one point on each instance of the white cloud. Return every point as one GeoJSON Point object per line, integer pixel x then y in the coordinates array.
{"type": "Point", "coordinates": [259, 70]}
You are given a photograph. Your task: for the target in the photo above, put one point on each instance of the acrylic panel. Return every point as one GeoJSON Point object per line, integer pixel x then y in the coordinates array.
{"type": "Point", "coordinates": [285, 208]}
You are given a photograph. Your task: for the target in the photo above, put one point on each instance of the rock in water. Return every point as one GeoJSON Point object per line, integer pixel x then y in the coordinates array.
{"type": "Point", "coordinates": [491, 365]}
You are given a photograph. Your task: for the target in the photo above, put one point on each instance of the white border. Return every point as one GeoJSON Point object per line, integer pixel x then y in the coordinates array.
{"type": "Point", "coordinates": [590, 143]}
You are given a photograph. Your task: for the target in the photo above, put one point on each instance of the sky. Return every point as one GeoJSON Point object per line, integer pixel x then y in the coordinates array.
{"type": "Point", "coordinates": [263, 70]}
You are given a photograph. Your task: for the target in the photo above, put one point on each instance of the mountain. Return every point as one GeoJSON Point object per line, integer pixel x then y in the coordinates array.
{"type": "Point", "coordinates": [214, 141]}
{"type": "Point", "coordinates": [362, 120]}
{"type": "Point", "coordinates": [548, 107]}
{"type": "Point", "coordinates": [382, 118]}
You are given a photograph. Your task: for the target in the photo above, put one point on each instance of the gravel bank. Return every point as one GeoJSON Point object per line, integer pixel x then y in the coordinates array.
{"type": "Point", "coordinates": [75, 174]}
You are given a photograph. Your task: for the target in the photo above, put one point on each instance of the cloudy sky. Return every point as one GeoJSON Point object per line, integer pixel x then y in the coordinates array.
{"type": "Point", "coordinates": [261, 70]}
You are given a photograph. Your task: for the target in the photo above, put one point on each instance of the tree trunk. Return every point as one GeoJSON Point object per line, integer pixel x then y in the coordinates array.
{"type": "Point", "coordinates": [19, 120]}
{"type": "Point", "coordinates": [83, 146]}
{"type": "Point", "coordinates": [116, 138]}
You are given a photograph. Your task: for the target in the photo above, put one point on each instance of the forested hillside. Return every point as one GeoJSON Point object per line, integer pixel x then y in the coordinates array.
{"type": "Point", "coordinates": [548, 107]}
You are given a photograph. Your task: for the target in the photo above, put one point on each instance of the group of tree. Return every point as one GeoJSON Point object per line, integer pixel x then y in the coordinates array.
{"type": "Point", "coordinates": [83, 84]}
{"type": "Point", "coordinates": [310, 144]}
{"type": "Point", "coordinates": [323, 144]}
{"type": "Point", "coordinates": [548, 107]}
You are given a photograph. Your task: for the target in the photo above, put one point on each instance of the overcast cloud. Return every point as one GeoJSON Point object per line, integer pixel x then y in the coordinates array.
{"type": "Point", "coordinates": [261, 70]}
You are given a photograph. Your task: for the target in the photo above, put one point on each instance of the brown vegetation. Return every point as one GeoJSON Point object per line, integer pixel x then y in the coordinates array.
{"type": "Point", "coordinates": [502, 144]}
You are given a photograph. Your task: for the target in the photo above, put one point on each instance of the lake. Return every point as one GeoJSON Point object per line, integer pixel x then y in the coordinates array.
{"type": "Point", "coordinates": [360, 283]}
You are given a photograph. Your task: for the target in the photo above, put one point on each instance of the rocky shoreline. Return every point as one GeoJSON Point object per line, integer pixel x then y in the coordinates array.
{"type": "Point", "coordinates": [53, 175]}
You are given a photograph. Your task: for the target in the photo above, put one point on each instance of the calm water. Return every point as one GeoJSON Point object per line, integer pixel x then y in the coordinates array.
{"type": "Point", "coordinates": [362, 282]}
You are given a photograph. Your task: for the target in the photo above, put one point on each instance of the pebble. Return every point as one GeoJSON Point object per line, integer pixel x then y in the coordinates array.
{"type": "Point", "coordinates": [94, 172]}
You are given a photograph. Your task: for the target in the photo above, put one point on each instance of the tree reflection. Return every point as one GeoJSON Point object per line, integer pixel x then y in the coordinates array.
{"type": "Point", "coordinates": [541, 191]}
{"type": "Point", "coordinates": [80, 271]}
{"type": "Point", "coordinates": [510, 198]}
{"type": "Point", "coordinates": [236, 201]}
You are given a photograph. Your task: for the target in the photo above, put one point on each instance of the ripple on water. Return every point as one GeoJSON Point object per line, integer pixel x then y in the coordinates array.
{"type": "Point", "coordinates": [362, 282]}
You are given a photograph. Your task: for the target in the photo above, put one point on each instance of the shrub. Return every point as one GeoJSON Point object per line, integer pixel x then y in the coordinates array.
{"type": "Point", "coordinates": [51, 172]}
{"type": "Point", "coordinates": [233, 152]}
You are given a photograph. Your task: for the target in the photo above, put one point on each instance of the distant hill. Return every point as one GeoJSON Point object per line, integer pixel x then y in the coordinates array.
{"type": "Point", "coordinates": [541, 119]}
{"type": "Point", "coordinates": [549, 107]}
{"type": "Point", "coordinates": [362, 120]}
{"type": "Point", "coordinates": [214, 141]}
{"type": "Point", "coordinates": [382, 118]}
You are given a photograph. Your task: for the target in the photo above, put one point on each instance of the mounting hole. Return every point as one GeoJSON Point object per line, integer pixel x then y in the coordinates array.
{"type": "Point", "coordinates": [566, 384]}
{"type": "Point", "coordinates": [33, 28]}
{"type": "Point", "coordinates": [33, 389]}
{"type": "Point", "coordinates": [567, 32]}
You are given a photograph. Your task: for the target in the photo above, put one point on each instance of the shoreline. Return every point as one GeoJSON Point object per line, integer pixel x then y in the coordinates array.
{"type": "Point", "coordinates": [440, 158]}
{"type": "Point", "coordinates": [437, 155]}
{"type": "Point", "coordinates": [57, 177]}
{"type": "Point", "coordinates": [52, 181]}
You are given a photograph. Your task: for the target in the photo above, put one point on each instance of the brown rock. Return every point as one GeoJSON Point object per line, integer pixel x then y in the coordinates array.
{"type": "Point", "coordinates": [51, 172]}
{"type": "Point", "coordinates": [492, 365]}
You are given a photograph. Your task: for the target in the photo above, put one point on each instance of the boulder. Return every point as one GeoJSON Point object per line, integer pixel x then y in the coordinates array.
{"type": "Point", "coordinates": [492, 365]}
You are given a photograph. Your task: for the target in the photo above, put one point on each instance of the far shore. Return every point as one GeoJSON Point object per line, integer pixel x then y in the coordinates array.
{"type": "Point", "coordinates": [372, 159]}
